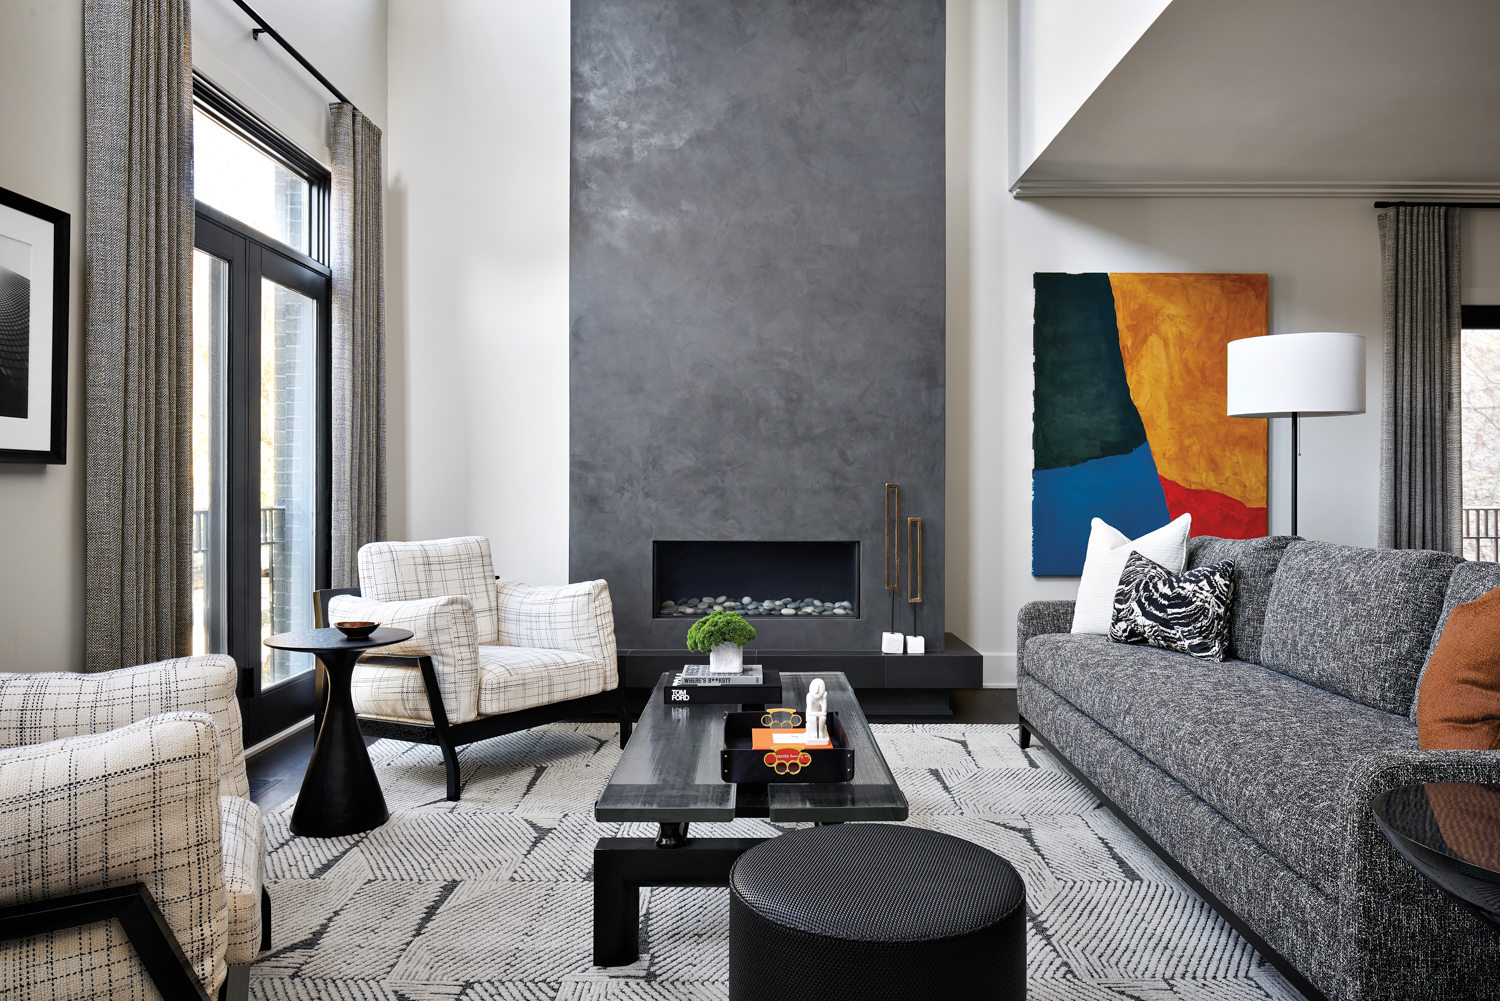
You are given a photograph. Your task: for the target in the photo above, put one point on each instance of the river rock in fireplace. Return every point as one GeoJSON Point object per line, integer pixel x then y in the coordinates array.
{"type": "Point", "coordinates": [806, 607]}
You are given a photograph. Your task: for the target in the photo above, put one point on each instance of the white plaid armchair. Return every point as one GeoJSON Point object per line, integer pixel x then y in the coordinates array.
{"type": "Point", "coordinates": [123, 795]}
{"type": "Point", "coordinates": [488, 657]}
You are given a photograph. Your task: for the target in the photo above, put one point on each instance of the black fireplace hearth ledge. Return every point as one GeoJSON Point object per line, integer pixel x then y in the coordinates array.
{"type": "Point", "coordinates": [958, 665]}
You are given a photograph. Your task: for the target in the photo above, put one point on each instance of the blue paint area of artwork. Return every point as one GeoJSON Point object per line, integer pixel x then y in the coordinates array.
{"type": "Point", "coordinates": [1124, 490]}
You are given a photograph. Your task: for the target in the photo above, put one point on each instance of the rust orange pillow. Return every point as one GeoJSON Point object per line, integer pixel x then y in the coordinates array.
{"type": "Point", "coordinates": [1458, 707]}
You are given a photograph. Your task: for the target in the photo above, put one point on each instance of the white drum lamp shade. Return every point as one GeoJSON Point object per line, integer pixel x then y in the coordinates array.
{"type": "Point", "coordinates": [1320, 374]}
{"type": "Point", "coordinates": [1313, 375]}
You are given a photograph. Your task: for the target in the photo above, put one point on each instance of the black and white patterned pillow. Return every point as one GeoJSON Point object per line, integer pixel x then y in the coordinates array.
{"type": "Point", "coordinates": [1187, 612]}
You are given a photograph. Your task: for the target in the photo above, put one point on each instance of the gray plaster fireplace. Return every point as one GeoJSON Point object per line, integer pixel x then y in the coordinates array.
{"type": "Point", "coordinates": [757, 312]}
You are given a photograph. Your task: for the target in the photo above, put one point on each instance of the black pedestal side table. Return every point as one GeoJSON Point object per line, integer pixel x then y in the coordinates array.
{"type": "Point", "coordinates": [340, 793]}
{"type": "Point", "coordinates": [1451, 832]}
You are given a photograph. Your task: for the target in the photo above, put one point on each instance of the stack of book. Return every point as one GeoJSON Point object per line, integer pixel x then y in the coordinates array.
{"type": "Point", "coordinates": [694, 683]}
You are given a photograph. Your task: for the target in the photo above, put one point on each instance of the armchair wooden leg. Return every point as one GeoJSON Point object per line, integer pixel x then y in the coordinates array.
{"type": "Point", "coordinates": [624, 714]}
{"type": "Point", "coordinates": [265, 920]}
{"type": "Point", "coordinates": [440, 724]}
{"type": "Point", "coordinates": [450, 763]}
{"type": "Point", "coordinates": [236, 986]}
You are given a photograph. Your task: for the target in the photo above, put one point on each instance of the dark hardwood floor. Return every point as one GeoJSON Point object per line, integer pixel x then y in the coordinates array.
{"type": "Point", "coordinates": [980, 705]}
{"type": "Point", "coordinates": [276, 772]}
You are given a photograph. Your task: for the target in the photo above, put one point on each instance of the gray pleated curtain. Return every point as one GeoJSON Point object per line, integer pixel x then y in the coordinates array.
{"type": "Point", "coordinates": [1421, 502]}
{"type": "Point", "coordinates": [138, 240]}
{"type": "Point", "coordinates": [358, 350]}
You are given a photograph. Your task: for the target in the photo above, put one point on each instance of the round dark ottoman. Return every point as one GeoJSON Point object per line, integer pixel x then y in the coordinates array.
{"type": "Point", "coordinates": [873, 911]}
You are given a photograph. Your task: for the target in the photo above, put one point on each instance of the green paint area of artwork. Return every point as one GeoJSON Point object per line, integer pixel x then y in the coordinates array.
{"type": "Point", "coordinates": [1083, 409]}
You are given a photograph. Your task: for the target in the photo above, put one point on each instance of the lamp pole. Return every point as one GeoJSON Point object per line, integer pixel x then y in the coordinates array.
{"type": "Point", "coordinates": [1296, 456]}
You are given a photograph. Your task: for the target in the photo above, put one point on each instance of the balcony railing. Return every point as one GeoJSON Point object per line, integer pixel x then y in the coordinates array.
{"type": "Point", "coordinates": [1481, 535]}
{"type": "Point", "coordinates": [272, 520]}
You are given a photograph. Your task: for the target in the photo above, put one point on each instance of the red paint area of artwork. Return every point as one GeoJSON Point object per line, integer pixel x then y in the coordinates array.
{"type": "Point", "coordinates": [1214, 513]}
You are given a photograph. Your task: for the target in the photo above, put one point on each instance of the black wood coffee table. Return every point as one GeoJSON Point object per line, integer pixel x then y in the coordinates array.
{"type": "Point", "coordinates": [669, 775]}
{"type": "Point", "coordinates": [1451, 832]}
{"type": "Point", "coordinates": [340, 793]}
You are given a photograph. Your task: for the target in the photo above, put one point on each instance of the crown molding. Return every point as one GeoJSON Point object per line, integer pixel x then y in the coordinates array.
{"type": "Point", "coordinates": [1395, 190]}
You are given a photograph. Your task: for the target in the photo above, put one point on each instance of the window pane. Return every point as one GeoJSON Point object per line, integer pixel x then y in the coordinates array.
{"type": "Point", "coordinates": [288, 472]}
{"type": "Point", "coordinates": [1481, 444]}
{"type": "Point", "coordinates": [210, 338]}
{"type": "Point", "coordinates": [239, 180]}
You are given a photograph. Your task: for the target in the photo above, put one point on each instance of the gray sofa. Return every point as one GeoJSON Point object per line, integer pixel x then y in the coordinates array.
{"type": "Point", "coordinates": [1252, 777]}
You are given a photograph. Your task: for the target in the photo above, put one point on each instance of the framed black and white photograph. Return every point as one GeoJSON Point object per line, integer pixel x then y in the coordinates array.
{"type": "Point", "coordinates": [33, 331]}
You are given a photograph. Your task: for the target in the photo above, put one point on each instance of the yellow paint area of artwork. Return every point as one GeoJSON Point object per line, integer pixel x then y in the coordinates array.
{"type": "Point", "coordinates": [1174, 336]}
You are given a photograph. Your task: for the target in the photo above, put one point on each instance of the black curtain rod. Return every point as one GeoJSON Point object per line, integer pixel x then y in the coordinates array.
{"type": "Point", "coordinates": [1442, 205]}
{"type": "Point", "coordinates": [294, 53]}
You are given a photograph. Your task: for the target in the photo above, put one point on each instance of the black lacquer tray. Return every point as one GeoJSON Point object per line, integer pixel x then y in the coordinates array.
{"type": "Point", "coordinates": [740, 762]}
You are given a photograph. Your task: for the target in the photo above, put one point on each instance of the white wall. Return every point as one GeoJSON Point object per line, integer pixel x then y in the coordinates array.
{"type": "Point", "coordinates": [41, 507]}
{"type": "Point", "coordinates": [344, 39]}
{"type": "Point", "coordinates": [1322, 255]}
{"type": "Point", "coordinates": [478, 276]}
{"type": "Point", "coordinates": [1481, 256]}
{"type": "Point", "coordinates": [1065, 49]}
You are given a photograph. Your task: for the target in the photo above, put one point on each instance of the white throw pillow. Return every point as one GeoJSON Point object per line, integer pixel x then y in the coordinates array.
{"type": "Point", "coordinates": [1105, 561]}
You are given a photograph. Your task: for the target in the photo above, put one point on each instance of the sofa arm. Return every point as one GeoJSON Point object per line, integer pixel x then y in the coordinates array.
{"type": "Point", "coordinates": [36, 708]}
{"type": "Point", "coordinates": [579, 618]}
{"type": "Point", "coordinates": [1396, 929]}
{"type": "Point", "coordinates": [443, 629]}
{"type": "Point", "coordinates": [1038, 618]}
{"type": "Point", "coordinates": [139, 804]}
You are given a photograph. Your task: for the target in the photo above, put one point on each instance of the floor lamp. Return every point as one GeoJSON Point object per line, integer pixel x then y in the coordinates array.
{"type": "Point", "coordinates": [1297, 375]}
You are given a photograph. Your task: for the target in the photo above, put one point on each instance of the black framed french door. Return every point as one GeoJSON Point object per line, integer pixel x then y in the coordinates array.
{"type": "Point", "coordinates": [261, 458]}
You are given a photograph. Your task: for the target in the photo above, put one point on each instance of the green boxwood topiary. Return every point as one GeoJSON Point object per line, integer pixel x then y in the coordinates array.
{"type": "Point", "coordinates": [719, 627]}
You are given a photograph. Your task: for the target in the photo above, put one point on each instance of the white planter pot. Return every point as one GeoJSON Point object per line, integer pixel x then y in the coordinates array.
{"type": "Point", "coordinates": [726, 658]}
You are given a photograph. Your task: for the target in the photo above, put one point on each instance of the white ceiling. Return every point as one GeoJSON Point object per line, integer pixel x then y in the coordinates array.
{"type": "Point", "coordinates": [1388, 97]}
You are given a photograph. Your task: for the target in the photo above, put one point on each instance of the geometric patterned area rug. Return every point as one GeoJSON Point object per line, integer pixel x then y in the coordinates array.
{"type": "Point", "coordinates": [490, 898]}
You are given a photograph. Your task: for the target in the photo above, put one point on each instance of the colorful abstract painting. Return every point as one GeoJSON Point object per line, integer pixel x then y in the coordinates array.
{"type": "Point", "coordinates": [1130, 421]}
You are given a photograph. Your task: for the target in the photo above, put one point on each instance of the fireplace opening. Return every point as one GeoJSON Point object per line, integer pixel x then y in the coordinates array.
{"type": "Point", "coordinates": [788, 580]}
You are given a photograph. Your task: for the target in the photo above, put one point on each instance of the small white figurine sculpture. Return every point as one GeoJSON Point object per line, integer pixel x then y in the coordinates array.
{"type": "Point", "coordinates": [817, 712]}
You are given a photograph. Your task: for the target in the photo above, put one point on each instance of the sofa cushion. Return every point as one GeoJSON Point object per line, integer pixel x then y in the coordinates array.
{"type": "Point", "coordinates": [578, 617]}
{"type": "Point", "coordinates": [517, 677]}
{"type": "Point", "coordinates": [51, 705]}
{"type": "Point", "coordinates": [1469, 581]}
{"type": "Point", "coordinates": [1255, 562]}
{"type": "Point", "coordinates": [1293, 916]}
{"type": "Point", "coordinates": [1187, 612]}
{"type": "Point", "coordinates": [443, 629]}
{"type": "Point", "coordinates": [1356, 622]}
{"type": "Point", "coordinates": [1268, 752]}
{"type": "Point", "coordinates": [402, 571]}
{"type": "Point", "coordinates": [1104, 561]}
